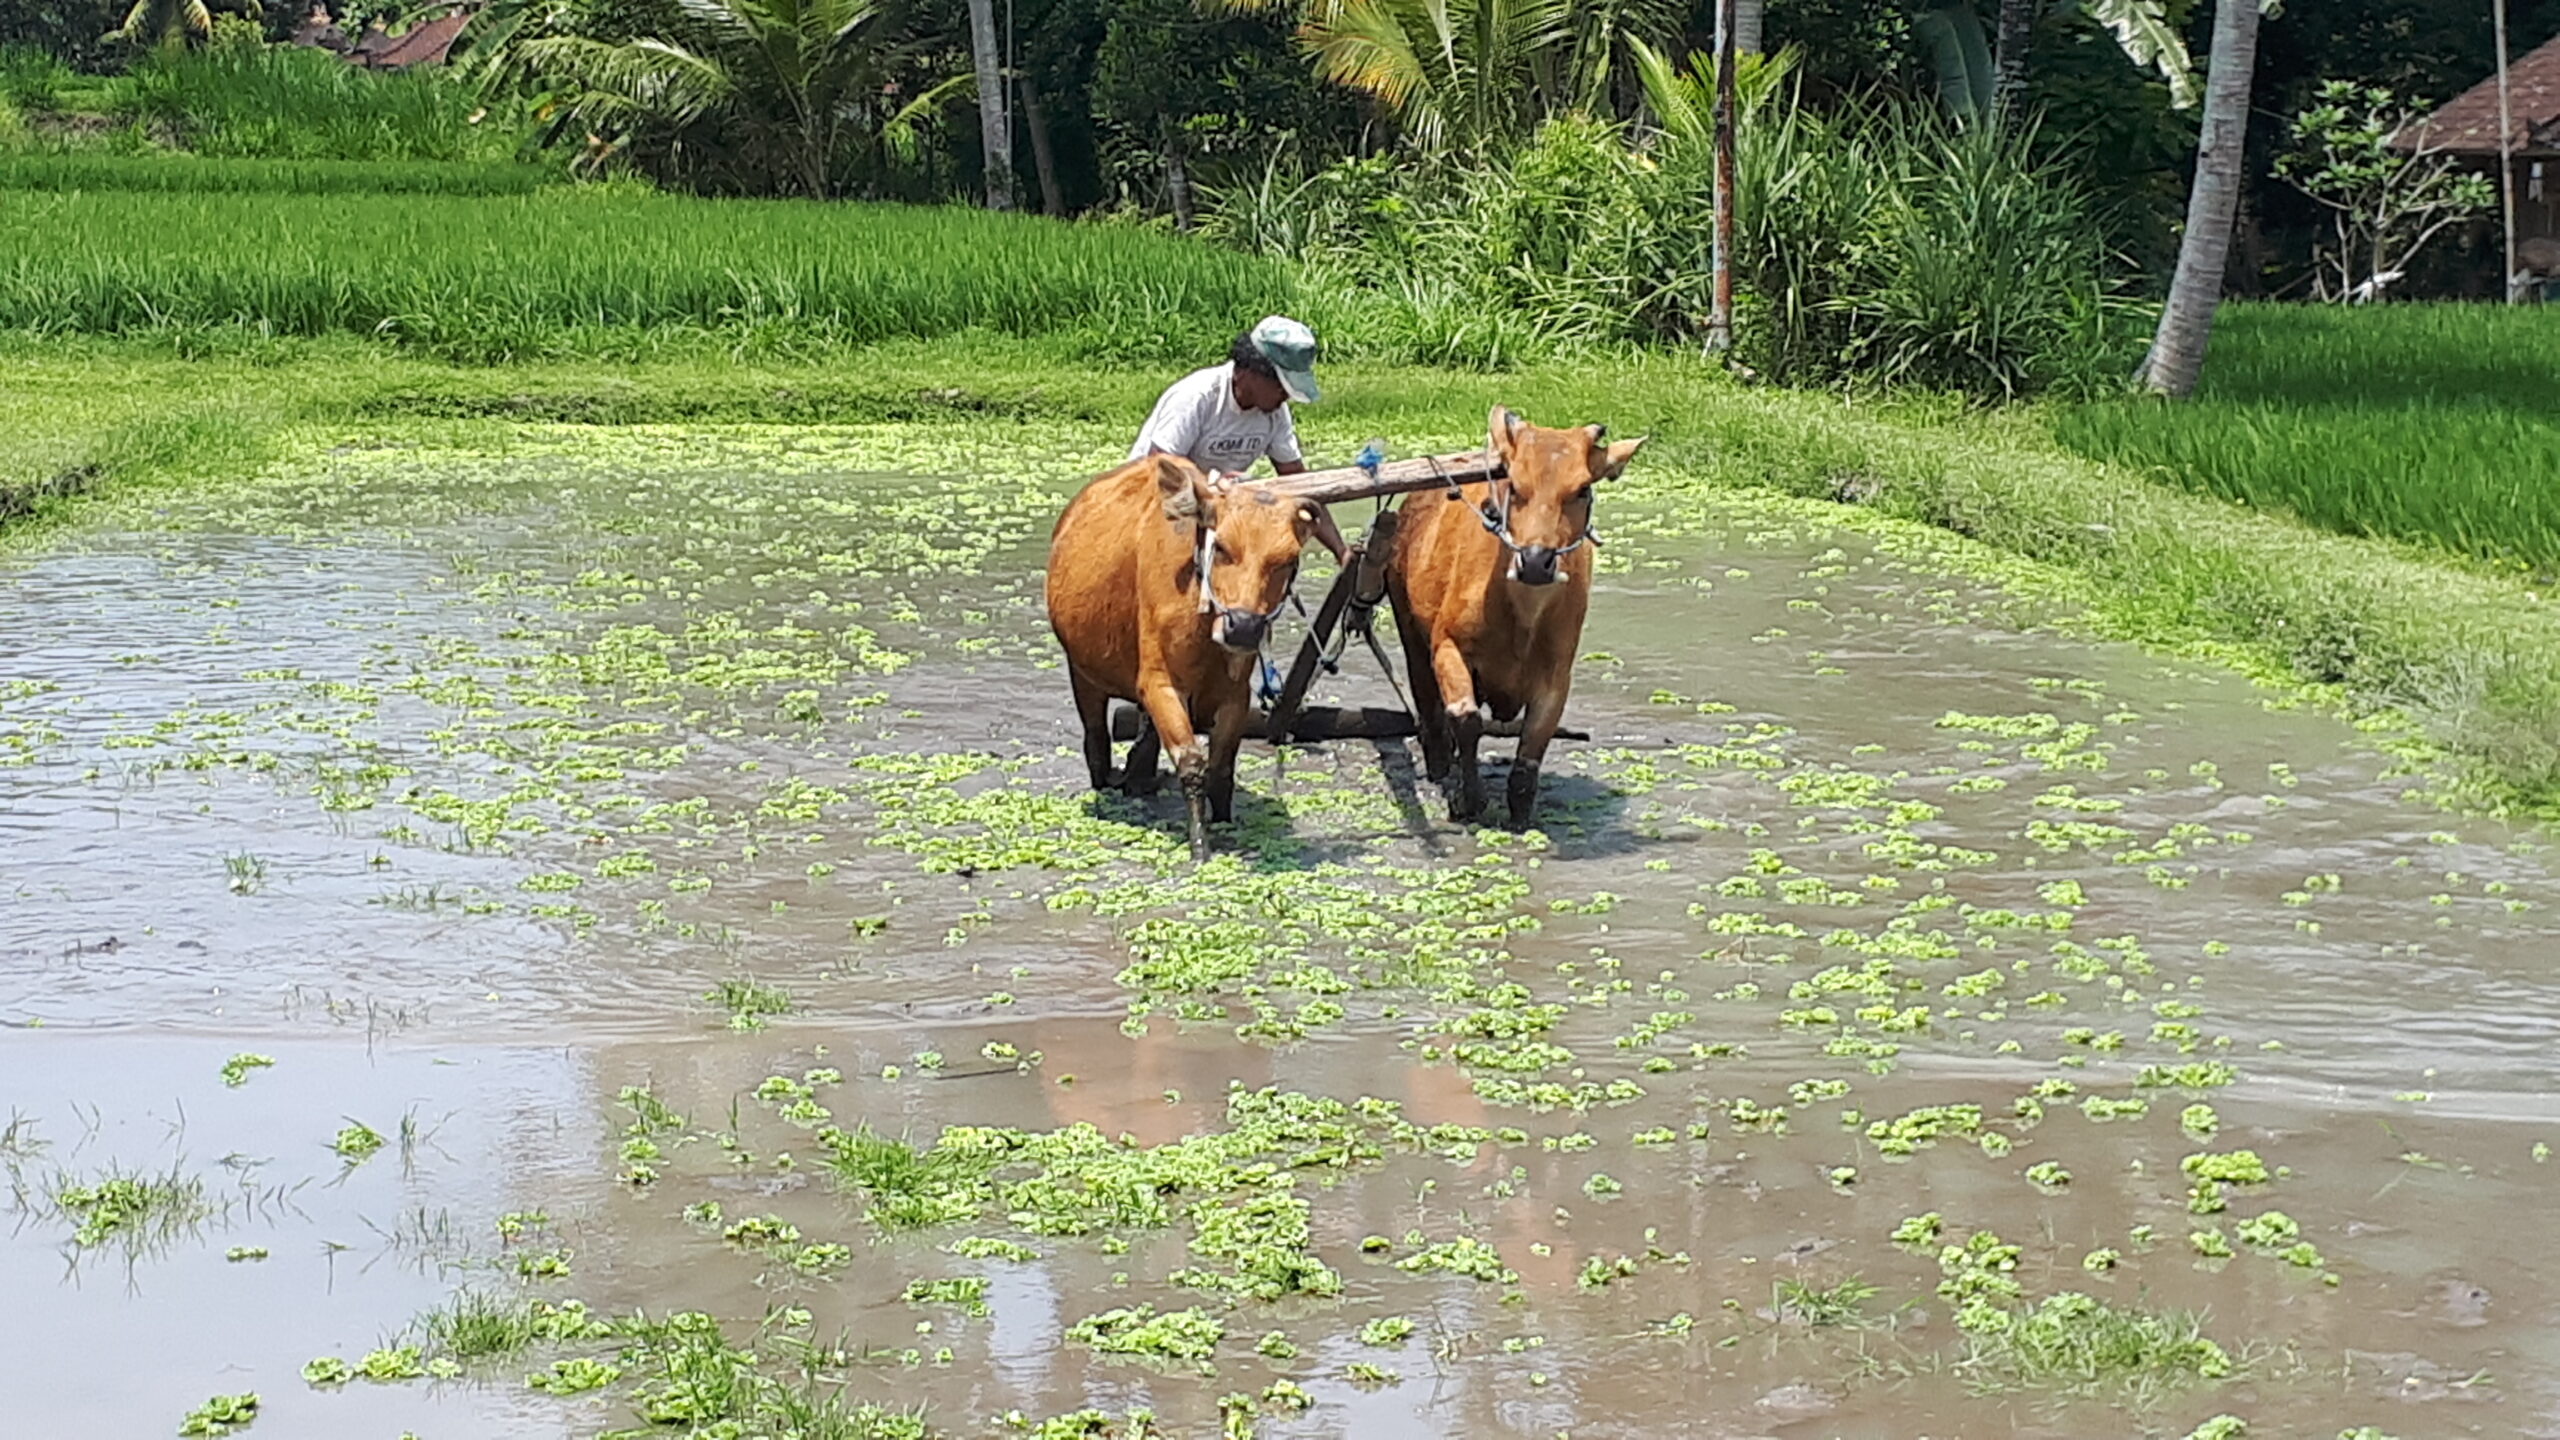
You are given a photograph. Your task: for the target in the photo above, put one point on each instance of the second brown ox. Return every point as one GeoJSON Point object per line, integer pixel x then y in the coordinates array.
{"type": "Point", "coordinates": [1490, 586]}
{"type": "Point", "coordinates": [1161, 588]}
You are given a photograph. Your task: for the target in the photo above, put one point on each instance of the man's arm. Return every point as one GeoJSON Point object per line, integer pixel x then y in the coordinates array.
{"type": "Point", "coordinates": [1287, 459]}
{"type": "Point", "coordinates": [1172, 429]}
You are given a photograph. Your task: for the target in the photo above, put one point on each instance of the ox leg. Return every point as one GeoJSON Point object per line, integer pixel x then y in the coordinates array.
{"type": "Point", "coordinates": [1430, 724]}
{"type": "Point", "coordinates": [1537, 729]}
{"type": "Point", "coordinates": [1142, 777]}
{"type": "Point", "coordinates": [1460, 712]}
{"type": "Point", "coordinates": [1467, 733]}
{"type": "Point", "coordinates": [1190, 757]}
{"type": "Point", "coordinates": [1094, 709]}
{"type": "Point", "coordinates": [1226, 737]}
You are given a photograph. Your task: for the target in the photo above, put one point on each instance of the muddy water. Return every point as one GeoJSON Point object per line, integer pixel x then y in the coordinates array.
{"type": "Point", "coordinates": [455, 779]}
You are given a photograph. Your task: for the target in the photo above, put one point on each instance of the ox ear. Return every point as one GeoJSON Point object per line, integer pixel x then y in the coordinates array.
{"type": "Point", "coordinates": [1185, 491]}
{"type": "Point", "coordinates": [1613, 459]}
{"type": "Point", "coordinates": [1502, 430]}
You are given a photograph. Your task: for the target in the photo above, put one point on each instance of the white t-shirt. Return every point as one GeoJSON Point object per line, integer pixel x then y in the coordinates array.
{"type": "Point", "coordinates": [1198, 418]}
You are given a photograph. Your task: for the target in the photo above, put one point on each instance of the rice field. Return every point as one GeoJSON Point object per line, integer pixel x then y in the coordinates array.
{"type": "Point", "coordinates": [289, 103]}
{"type": "Point", "coordinates": [607, 270]}
{"type": "Point", "coordinates": [178, 170]}
{"type": "Point", "coordinates": [2430, 423]}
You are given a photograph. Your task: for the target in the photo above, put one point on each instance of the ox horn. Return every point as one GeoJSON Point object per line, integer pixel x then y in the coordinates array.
{"type": "Point", "coordinates": [1613, 461]}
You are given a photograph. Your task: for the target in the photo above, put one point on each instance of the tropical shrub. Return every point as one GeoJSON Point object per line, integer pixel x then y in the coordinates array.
{"type": "Point", "coordinates": [1883, 245]}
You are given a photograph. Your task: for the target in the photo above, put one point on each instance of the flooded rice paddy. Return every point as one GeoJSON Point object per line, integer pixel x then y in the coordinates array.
{"type": "Point", "coordinates": [597, 932]}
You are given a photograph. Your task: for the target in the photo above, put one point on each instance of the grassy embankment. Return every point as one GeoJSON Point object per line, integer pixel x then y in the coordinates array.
{"type": "Point", "coordinates": [2435, 423]}
{"type": "Point", "coordinates": [167, 336]}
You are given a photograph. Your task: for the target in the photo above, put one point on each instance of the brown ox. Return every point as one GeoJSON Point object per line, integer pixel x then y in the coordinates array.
{"type": "Point", "coordinates": [1490, 587]}
{"type": "Point", "coordinates": [1161, 589]}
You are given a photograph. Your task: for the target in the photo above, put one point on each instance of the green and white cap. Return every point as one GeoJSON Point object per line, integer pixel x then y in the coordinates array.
{"type": "Point", "coordinates": [1291, 349]}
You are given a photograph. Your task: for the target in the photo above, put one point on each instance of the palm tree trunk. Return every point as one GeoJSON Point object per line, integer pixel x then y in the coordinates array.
{"type": "Point", "coordinates": [995, 127]}
{"type": "Point", "coordinates": [1728, 43]}
{"type": "Point", "coordinates": [2017, 34]}
{"type": "Point", "coordinates": [1177, 184]}
{"type": "Point", "coordinates": [1036, 120]}
{"type": "Point", "coordinates": [2186, 324]}
{"type": "Point", "coordinates": [1747, 15]}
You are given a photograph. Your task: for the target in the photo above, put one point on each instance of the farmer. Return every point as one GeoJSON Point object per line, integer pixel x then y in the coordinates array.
{"type": "Point", "coordinates": [1228, 416]}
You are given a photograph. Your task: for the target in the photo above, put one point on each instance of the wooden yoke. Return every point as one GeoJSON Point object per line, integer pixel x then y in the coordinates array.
{"type": "Point", "coordinates": [1396, 477]}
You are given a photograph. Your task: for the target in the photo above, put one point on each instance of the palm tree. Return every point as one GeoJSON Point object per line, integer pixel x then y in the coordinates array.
{"type": "Point", "coordinates": [1683, 101]}
{"type": "Point", "coordinates": [155, 22]}
{"type": "Point", "coordinates": [1974, 77]}
{"type": "Point", "coordinates": [2016, 33]}
{"type": "Point", "coordinates": [1747, 25]}
{"type": "Point", "coordinates": [1468, 76]}
{"type": "Point", "coordinates": [995, 126]}
{"type": "Point", "coordinates": [2186, 323]}
{"type": "Point", "coordinates": [793, 79]}
{"type": "Point", "coordinates": [1461, 75]}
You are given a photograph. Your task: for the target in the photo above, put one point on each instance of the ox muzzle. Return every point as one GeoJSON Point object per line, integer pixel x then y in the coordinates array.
{"type": "Point", "coordinates": [1233, 627]}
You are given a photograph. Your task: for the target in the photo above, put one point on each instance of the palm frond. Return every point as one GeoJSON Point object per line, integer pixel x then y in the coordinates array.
{"type": "Point", "coordinates": [1682, 104]}
{"type": "Point", "coordinates": [1366, 47]}
{"type": "Point", "coordinates": [900, 131]}
{"type": "Point", "coordinates": [634, 80]}
{"type": "Point", "coordinates": [2143, 32]}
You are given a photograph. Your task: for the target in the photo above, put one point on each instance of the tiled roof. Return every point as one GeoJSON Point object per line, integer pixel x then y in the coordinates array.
{"type": "Point", "coordinates": [2468, 123]}
{"type": "Point", "coordinates": [425, 44]}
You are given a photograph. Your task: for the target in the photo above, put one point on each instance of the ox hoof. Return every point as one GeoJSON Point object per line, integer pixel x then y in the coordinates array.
{"type": "Point", "coordinates": [1521, 791]}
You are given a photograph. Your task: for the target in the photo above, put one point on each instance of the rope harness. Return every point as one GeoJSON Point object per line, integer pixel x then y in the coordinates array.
{"type": "Point", "coordinates": [1495, 512]}
{"type": "Point", "coordinates": [1203, 561]}
{"type": "Point", "coordinates": [1231, 613]}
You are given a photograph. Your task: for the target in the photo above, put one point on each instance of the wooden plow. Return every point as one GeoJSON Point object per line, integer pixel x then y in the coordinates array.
{"type": "Point", "coordinates": [1352, 603]}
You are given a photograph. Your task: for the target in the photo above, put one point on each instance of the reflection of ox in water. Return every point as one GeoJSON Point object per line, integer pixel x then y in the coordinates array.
{"type": "Point", "coordinates": [1489, 587]}
{"type": "Point", "coordinates": [1162, 585]}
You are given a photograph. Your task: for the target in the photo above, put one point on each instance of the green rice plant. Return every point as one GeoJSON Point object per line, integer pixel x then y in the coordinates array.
{"type": "Point", "coordinates": [908, 1188]}
{"type": "Point", "coordinates": [292, 102]}
{"type": "Point", "coordinates": [2431, 423]}
{"type": "Point", "coordinates": [247, 872]}
{"type": "Point", "coordinates": [130, 1208]}
{"type": "Point", "coordinates": [684, 1372]}
{"type": "Point", "coordinates": [1842, 1304]}
{"type": "Point", "coordinates": [2075, 1344]}
{"type": "Point", "coordinates": [611, 270]}
{"type": "Point", "coordinates": [480, 1325]}
{"type": "Point", "coordinates": [162, 171]}
{"type": "Point", "coordinates": [749, 1001]}
{"type": "Point", "coordinates": [32, 78]}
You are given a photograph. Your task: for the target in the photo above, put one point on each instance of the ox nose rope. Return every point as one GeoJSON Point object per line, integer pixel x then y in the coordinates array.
{"type": "Point", "coordinates": [1497, 522]}
{"type": "Point", "coordinates": [1206, 559]}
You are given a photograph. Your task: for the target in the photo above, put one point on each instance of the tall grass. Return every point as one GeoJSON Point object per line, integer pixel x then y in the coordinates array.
{"type": "Point", "coordinates": [1885, 245]}
{"type": "Point", "coordinates": [1879, 247]}
{"type": "Point", "coordinates": [287, 102]}
{"type": "Point", "coordinates": [32, 79]}
{"type": "Point", "coordinates": [2434, 423]}
{"type": "Point", "coordinates": [91, 170]}
{"type": "Point", "coordinates": [610, 270]}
